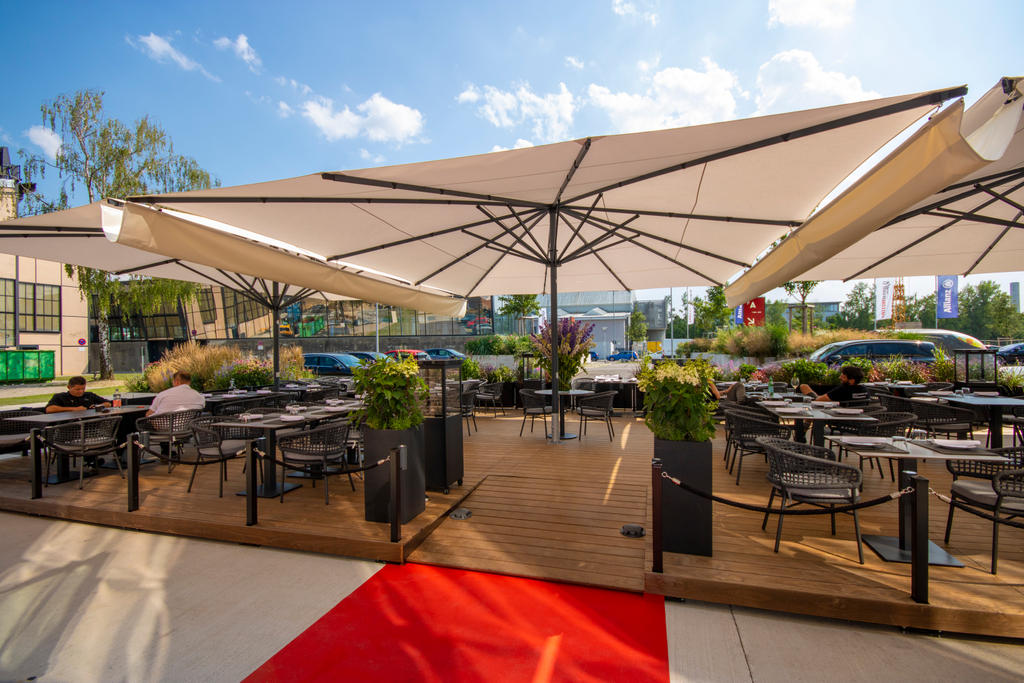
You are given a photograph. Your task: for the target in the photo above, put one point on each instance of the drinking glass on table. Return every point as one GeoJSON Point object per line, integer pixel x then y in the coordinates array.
{"type": "Point", "coordinates": [795, 382]}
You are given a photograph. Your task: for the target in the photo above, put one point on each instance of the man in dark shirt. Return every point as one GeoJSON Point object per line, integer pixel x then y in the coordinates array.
{"type": "Point", "coordinates": [849, 388]}
{"type": "Point", "coordinates": [75, 398]}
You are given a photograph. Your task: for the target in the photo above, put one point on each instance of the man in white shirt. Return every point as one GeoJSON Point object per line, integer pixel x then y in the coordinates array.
{"type": "Point", "coordinates": [179, 397]}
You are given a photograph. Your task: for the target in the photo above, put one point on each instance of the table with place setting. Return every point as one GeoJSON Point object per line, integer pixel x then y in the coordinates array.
{"type": "Point", "coordinates": [817, 413]}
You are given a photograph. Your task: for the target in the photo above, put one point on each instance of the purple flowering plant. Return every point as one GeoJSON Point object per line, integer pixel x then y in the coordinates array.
{"type": "Point", "coordinates": [575, 339]}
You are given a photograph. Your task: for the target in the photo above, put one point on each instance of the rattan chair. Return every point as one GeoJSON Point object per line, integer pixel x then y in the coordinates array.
{"type": "Point", "coordinates": [490, 394]}
{"type": "Point", "coordinates": [534, 405]}
{"type": "Point", "coordinates": [318, 452]}
{"type": "Point", "coordinates": [744, 430]}
{"type": "Point", "coordinates": [14, 434]}
{"type": "Point", "coordinates": [996, 488]}
{"type": "Point", "coordinates": [173, 429]}
{"type": "Point", "coordinates": [804, 473]}
{"type": "Point", "coordinates": [888, 424]}
{"type": "Point", "coordinates": [216, 445]}
{"type": "Point", "coordinates": [596, 407]}
{"type": "Point", "coordinates": [467, 407]}
{"type": "Point", "coordinates": [84, 439]}
{"type": "Point", "coordinates": [938, 418]}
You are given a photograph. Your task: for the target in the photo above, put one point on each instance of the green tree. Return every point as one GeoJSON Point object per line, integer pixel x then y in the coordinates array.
{"type": "Point", "coordinates": [922, 309]}
{"type": "Point", "coordinates": [712, 312]}
{"type": "Point", "coordinates": [775, 313]}
{"type": "Point", "coordinates": [636, 331]}
{"type": "Point", "coordinates": [106, 158]}
{"type": "Point", "coordinates": [802, 289]}
{"type": "Point", "coordinates": [519, 306]}
{"type": "Point", "coordinates": [985, 312]}
{"type": "Point", "coordinates": [858, 311]}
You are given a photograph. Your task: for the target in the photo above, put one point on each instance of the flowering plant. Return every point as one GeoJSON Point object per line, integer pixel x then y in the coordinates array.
{"type": "Point", "coordinates": [676, 400]}
{"type": "Point", "coordinates": [246, 372]}
{"type": "Point", "coordinates": [575, 339]}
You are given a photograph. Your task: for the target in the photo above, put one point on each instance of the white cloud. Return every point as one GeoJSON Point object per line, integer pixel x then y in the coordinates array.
{"type": "Point", "coordinates": [242, 49]}
{"type": "Point", "coordinates": [624, 8]}
{"type": "Point", "coordinates": [574, 62]}
{"type": "Point", "coordinates": [646, 66]}
{"type": "Point", "coordinates": [284, 110]}
{"type": "Point", "coordinates": [676, 97]}
{"type": "Point", "coordinates": [45, 139]}
{"type": "Point", "coordinates": [160, 49]}
{"type": "Point", "coordinates": [813, 13]}
{"type": "Point", "coordinates": [550, 116]}
{"type": "Point", "coordinates": [520, 143]}
{"type": "Point", "coordinates": [381, 120]}
{"type": "Point", "coordinates": [794, 80]}
{"type": "Point", "coordinates": [4, 137]}
{"type": "Point", "coordinates": [366, 155]}
{"type": "Point", "coordinates": [301, 87]}
{"type": "Point", "coordinates": [470, 94]}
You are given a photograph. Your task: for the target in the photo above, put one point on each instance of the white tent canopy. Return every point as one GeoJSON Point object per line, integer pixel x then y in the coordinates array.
{"type": "Point", "coordinates": [910, 215]}
{"type": "Point", "coordinates": [688, 206]}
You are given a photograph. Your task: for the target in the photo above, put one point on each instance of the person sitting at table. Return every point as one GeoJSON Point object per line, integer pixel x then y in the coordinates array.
{"type": "Point", "coordinates": [849, 389]}
{"type": "Point", "coordinates": [75, 398]}
{"type": "Point", "coordinates": [181, 396]}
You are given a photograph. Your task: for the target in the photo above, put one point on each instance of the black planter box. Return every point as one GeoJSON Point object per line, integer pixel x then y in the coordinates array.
{"type": "Point", "coordinates": [685, 517]}
{"type": "Point", "coordinates": [377, 444]}
{"type": "Point", "coordinates": [443, 450]}
{"type": "Point", "coordinates": [508, 394]}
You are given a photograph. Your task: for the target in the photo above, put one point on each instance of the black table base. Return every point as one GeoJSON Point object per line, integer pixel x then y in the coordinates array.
{"type": "Point", "coordinates": [888, 548]}
{"type": "Point", "coordinates": [263, 492]}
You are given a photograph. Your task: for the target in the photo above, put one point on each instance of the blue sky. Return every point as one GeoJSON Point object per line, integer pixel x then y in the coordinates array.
{"type": "Point", "coordinates": [258, 90]}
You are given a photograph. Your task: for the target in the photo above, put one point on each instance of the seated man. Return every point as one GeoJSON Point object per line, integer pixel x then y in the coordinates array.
{"type": "Point", "coordinates": [75, 398]}
{"type": "Point", "coordinates": [849, 388]}
{"type": "Point", "coordinates": [180, 396]}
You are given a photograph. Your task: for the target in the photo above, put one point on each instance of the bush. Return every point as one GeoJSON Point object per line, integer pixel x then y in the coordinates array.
{"type": "Point", "coordinates": [900, 369]}
{"type": "Point", "coordinates": [500, 374]}
{"type": "Point", "coordinates": [746, 370]}
{"type": "Point", "coordinates": [803, 344]}
{"type": "Point", "coordinates": [499, 345]}
{"type": "Point", "coordinates": [698, 345]}
{"type": "Point", "coordinates": [137, 383]}
{"type": "Point", "coordinates": [393, 393]}
{"type": "Point", "coordinates": [1011, 379]}
{"type": "Point", "coordinates": [471, 369]}
{"type": "Point", "coordinates": [942, 368]}
{"type": "Point", "coordinates": [292, 364]}
{"type": "Point", "coordinates": [808, 372]}
{"type": "Point", "coordinates": [675, 400]}
{"type": "Point", "coordinates": [244, 372]}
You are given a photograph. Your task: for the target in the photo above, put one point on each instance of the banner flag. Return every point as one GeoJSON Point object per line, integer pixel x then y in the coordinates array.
{"type": "Point", "coordinates": [883, 298]}
{"type": "Point", "coordinates": [947, 305]}
{"type": "Point", "coordinates": [737, 315]}
{"type": "Point", "coordinates": [753, 312]}
{"type": "Point", "coordinates": [691, 314]}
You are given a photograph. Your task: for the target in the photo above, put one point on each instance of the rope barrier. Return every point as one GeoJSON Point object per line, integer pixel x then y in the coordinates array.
{"type": "Point", "coordinates": [1008, 521]}
{"type": "Point", "coordinates": [760, 508]}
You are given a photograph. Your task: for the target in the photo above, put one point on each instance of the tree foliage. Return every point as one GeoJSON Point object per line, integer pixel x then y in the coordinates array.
{"type": "Point", "coordinates": [858, 311]}
{"type": "Point", "coordinates": [802, 289]}
{"type": "Point", "coordinates": [104, 157]}
{"type": "Point", "coordinates": [711, 312]}
{"type": "Point", "coordinates": [636, 331]}
{"type": "Point", "coordinates": [519, 306]}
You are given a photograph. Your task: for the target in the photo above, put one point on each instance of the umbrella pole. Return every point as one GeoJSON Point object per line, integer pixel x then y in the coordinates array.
{"type": "Point", "coordinates": [276, 317]}
{"type": "Point", "coordinates": [556, 400]}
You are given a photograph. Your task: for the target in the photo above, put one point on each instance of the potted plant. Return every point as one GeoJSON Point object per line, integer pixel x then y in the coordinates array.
{"type": "Point", "coordinates": [393, 393]}
{"type": "Point", "coordinates": [680, 413]}
{"type": "Point", "coordinates": [575, 339]}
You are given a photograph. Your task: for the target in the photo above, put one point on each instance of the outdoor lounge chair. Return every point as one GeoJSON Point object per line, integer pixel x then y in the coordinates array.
{"type": "Point", "coordinates": [217, 445]}
{"type": "Point", "coordinates": [745, 431]}
{"type": "Point", "coordinates": [83, 439]}
{"type": "Point", "coordinates": [318, 452]}
{"type": "Point", "coordinates": [804, 473]}
{"type": "Point", "coordinates": [172, 429]}
{"type": "Point", "coordinates": [597, 406]}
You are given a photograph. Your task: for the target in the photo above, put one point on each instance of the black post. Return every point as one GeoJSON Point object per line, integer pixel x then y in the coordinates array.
{"type": "Point", "coordinates": [251, 463]}
{"type": "Point", "coordinates": [556, 400]}
{"type": "Point", "coordinates": [919, 539]}
{"type": "Point", "coordinates": [276, 308]}
{"type": "Point", "coordinates": [399, 461]}
{"type": "Point", "coordinates": [37, 463]}
{"type": "Point", "coordinates": [656, 515]}
{"type": "Point", "coordinates": [132, 463]}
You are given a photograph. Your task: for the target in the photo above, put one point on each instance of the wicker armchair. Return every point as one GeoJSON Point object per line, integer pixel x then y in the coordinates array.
{"type": "Point", "coordinates": [216, 445]}
{"type": "Point", "coordinates": [172, 429]}
{"type": "Point", "coordinates": [85, 439]}
{"type": "Point", "coordinates": [804, 473]}
{"type": "Point", "coordinates": [745, 430]}
{"type": "Point", "coordinates": [534, 405]}
{"type": "Point", "coordinates": [14, 434]}
{"type": "Point", "coordinates": [996, 488]}
{"type": "Point", "coordinates": [888, 424]}
{"type": "Point", "coordinates": [467, 407]}
{"type": "Point", "coordinates": [318, 452]}
{"type": "Point", "coordinates": [490, 394]}
{"type": "Point", "coordinates": [597, 407]}
{"type": "Point", "coordinates": [938, 418]}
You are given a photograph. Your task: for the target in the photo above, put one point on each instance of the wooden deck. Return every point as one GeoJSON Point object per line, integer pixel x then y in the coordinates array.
{"type": "Point", "coordinates": [554, 512]}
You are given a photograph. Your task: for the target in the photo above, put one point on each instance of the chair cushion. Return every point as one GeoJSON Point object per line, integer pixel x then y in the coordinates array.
{"type": "Point", "coordinates": [981, 491]}
{"type": "Point", "coordinates": [821, 495]}
{"type": "Point", "coordinates": [11, 440]}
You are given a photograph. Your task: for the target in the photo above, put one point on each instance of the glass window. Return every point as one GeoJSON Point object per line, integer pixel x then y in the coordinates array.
{"type": "Point", "coordinates": [38, 307]}
{"type": "Point", "coordinates": [7, 312]}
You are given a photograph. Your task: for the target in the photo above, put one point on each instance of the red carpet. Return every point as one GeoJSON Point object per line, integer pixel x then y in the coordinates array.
{"type": "Point", "coordinates": [420, 623]}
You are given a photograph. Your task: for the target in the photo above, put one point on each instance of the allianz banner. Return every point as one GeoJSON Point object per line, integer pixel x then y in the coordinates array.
{"type": "Point", "coordinates": [946, 304]}
{"type": "Point", "coordinates": [737, 315]}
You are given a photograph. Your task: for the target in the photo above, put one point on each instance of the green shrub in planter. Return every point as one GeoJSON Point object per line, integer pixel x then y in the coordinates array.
{"type": "Point", "coordinates": [471, 369]}
{"type": "Point", "coordinates": [746, 370]}
{"type": "Point", "coordinates": [676, 400]}
{"type": "Point", "coordinates": [393, 394]}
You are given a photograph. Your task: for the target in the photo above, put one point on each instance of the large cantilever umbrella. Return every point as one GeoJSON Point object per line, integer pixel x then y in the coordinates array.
{"type": "Point", "coordinates": [688, 206]}
{"type": "Point", "coordinates": [261, 273]}
{"type": "Point", "coordinates": [949, 200]}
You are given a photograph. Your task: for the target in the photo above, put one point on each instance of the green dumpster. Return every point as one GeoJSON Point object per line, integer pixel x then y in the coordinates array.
{"type": "Point", "coordinates": [26, 366]}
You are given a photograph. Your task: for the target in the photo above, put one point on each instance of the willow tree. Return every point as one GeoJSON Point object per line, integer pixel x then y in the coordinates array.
{"type": "Point", "coordinates": [104, 157]}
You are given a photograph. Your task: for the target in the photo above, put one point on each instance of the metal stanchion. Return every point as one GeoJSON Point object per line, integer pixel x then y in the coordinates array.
{"type": "Point", "coordinates": [919, 539]}
{"type": "Point", "coordinates": [656, 484]}
{"type": "Point", "coordinates": [251, 516]}
{"type": "Point", "coordinates": [398, 462]}
{"type": "Point", "coordinates": [37, 465]}
{"type": "Point", "coordinates": [132, 462]}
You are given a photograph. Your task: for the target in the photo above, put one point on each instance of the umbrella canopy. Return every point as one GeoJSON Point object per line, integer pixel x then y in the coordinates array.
{"type": "Point", "coordinates": [946, 201]}
{"type": "Point", "coordinates": [687, 206]}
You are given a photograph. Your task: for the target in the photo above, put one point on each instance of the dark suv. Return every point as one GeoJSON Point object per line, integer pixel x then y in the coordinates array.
{"type": "Point", "coordinates": [329, 363]}
{"type": "Point", "coordinates": [875, 349]}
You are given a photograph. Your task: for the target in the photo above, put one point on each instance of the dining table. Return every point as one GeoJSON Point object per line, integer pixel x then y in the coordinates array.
{"type": "Point", "coordinates": [800, 413]}
{"type": "Point", "coordinates": [35, 424]}
{"type": "Point", "coordinates": [908, 453]}
{"type": "Point", "coordinates": [570, 393]}
{"type": "Point", "coordinates": [995, 405]}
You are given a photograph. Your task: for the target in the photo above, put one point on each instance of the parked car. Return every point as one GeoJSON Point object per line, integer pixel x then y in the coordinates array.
{"type": "Point", "coordinates": [418, 354]}
{"type": "Point", "coordinates": [330, 363]}
{"type": "Point", "coordinates": [445, 354]}
{"type": "Point", "coordinates": [625, 355]}
{"type": "Point", "coordinates": [369, 356]}
{"type": "Point", "coordinates": [594, 356]}
{"type": "Point", "coordinates": [875, 349]}
{"type": "Point", "coordinates": [950, 341]}
{"type": "Point", "coordinates": [1011, 354]}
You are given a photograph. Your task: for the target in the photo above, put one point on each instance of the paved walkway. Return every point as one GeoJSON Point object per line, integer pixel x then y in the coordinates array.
{"type": "Point", "coordinates": [87, 603]}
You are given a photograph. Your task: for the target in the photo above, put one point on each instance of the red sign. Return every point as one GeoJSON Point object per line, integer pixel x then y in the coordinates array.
{"type": "Point", "coordinates": [753, 312]}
